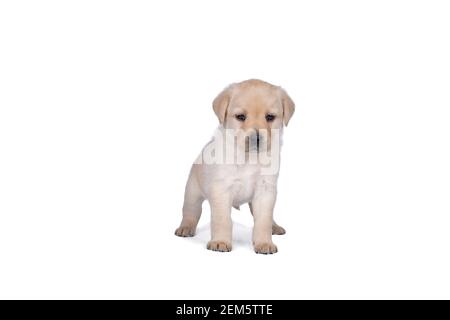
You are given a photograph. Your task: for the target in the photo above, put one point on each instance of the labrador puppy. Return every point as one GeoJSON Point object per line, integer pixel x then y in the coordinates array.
{"type": "Point", "coordinates": [240, 164]}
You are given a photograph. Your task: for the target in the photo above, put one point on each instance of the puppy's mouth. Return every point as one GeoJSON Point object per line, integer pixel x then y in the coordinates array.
{"type": "Point", "coordinates": [255, 143]}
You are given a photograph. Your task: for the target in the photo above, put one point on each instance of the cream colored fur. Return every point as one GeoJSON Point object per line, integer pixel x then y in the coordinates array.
{"type": "Point", "coordinates": [231, 185]}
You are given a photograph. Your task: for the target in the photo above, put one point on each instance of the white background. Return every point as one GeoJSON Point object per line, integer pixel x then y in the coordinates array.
{"type": "Point", "coordinates": [105, 104]}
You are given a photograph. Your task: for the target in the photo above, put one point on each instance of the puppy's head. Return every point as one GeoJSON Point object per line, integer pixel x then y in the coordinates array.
{"type": "Point", "coordinates": [253, 108]}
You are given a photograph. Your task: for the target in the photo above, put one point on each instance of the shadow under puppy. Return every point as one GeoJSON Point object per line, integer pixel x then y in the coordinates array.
{"type": "Point", "coordinates": [240, 165]}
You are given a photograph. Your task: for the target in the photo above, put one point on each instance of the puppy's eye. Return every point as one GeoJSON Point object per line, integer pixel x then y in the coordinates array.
{"type": "Point", "coordinates": [270, 117]}
{"type": "Point", "coordinates": [241, 117]}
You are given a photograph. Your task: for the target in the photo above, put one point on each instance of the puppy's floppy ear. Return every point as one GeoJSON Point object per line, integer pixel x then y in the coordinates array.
{"type": "Point", "coordinates": [288, 106]}
{"type": "Point", "coordinates": [221, 102]}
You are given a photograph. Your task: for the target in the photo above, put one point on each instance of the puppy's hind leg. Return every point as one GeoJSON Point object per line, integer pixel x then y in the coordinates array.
{"type": "Point", "coordinates": [276, 229]}
{"type": "Point", "coordinates": [192, 208]}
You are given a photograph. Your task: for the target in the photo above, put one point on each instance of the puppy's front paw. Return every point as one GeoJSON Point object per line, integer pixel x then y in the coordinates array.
{"type": "Point", "coordinates": [185, 231]}
{"type": "Point", "coordinates": [265, 248]}
{"type": "Point", "coordinates": [221, 246]}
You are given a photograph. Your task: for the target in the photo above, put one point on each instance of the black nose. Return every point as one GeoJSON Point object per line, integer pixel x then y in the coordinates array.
{"type": "Point", "coordinates": [255, 140]}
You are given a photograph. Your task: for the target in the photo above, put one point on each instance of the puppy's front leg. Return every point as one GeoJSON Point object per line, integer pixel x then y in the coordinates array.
{"type": "Point", "coordinates": [221, 224]}
{"type": "Point", "coordinates": [262, 206]}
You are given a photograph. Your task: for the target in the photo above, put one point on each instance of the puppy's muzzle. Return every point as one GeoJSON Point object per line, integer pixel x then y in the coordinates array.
{"type": "Point", "coordinates": [255, 141]}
